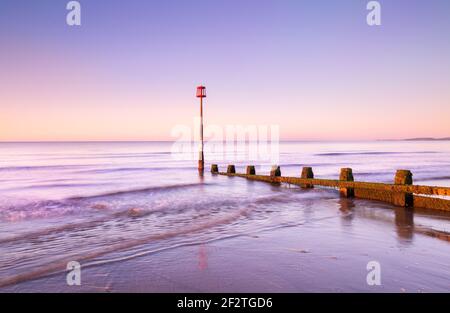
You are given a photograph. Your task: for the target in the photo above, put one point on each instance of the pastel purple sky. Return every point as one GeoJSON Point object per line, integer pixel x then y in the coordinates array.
{"type": "Point", "coordinates": [314, 67]}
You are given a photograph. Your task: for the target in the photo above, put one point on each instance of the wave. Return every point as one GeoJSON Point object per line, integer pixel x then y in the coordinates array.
{"type": "Point", "coordinates": [41, 167]}
{"type": "Point", "coordinates": [25, 210]}
{"type": "Point", "coordinates": [132, 169]}
{"type": "Point", "coordinates": [12, 211]}
{"type": "Point", "coordinates": [140, 190]}
{"type": "Point", "coordinates": [60, 185]}
{"type": "Point", "coordinates": [434, 178]}
{"type": "Point", "coordinates": [371, 153]}
{"type": "Point", "coordinates": [60, 265]}
{"type": "Point", "coordinates": [53, 230]}
{"type": "Point", "coordinates": [135, 212]}
{"type": "Point", "coordinates": [310, 164]}
{"type": "Point", "coordinates": [106, 156]}
{"type": "Point", "coordinates": [373, 174]}
{"type": "Point", "coordinates": [88, 171]}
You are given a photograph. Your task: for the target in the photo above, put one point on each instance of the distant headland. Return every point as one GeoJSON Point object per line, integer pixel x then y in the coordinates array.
{"type": "Point", "coordinates": [418, 139]}
{"type": "Point", "coordinates": [427, 139]}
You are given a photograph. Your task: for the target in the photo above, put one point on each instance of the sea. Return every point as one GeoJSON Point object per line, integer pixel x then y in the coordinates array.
{"type": "Point", "coordinates": [128, 212]}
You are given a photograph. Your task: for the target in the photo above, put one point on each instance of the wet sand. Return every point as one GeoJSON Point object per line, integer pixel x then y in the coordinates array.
{"type": "Point", "coordinates": [326, 251]}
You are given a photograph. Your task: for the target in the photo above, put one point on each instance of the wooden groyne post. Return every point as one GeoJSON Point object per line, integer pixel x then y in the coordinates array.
{"type": "Point", "coordinates": [401, 193]}
{"type": "Point", "coordinates": [231, 169]}
{"type": "Point", "coordinates": [275, 171]}
{"type": "Point", "coordinates": [346, 175]}
{"type": "Point", "coordinates": [406, 199]}
{"type": "Point", "coordinates": [307, 173]}
{"type": "Point", "coordinates": [250, 170]}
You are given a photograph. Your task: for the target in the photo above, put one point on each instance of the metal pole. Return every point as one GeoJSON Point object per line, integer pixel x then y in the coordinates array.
{"type": "Point", "coordinates": [201, 162]}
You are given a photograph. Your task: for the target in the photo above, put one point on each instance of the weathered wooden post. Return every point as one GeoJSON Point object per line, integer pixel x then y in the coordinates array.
{"type": "Point", "coordinates": [231, 169]}
{"type": "Point", "coordinates": [346, 175]}
{"type": "Point", "coordinates": [307, 173]}
{"type": "Point", "coordinates": [214, 168]}
{"type": "Point", "coordinates": [275, 171]}
{"type": "Point", "coordinates": [404, 199]}
{"type": "Point", "coordinates": [250, 170]}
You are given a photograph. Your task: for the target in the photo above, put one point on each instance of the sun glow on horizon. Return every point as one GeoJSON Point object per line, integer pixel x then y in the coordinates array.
{"type": "Point", "coordinates": [119, 79]}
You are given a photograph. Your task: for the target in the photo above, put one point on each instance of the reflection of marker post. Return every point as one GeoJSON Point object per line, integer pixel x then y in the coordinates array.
{"type": "Point", "coordinates": [202, 258]}
{"type": "Point", "coordinates": [201, 93]}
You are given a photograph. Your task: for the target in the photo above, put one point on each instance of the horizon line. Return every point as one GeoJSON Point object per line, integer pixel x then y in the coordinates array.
{"type": "Point", "coordinates": [282, 140]}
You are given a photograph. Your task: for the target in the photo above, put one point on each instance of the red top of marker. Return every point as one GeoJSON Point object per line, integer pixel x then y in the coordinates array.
{"type": "Point", "coordinates": [201, 92]}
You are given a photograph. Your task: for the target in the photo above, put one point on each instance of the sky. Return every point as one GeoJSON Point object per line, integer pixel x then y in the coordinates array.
{"type": "Point", "coordinates": [313, 67]}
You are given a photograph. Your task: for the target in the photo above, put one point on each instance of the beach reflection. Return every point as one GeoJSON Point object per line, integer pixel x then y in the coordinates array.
{"type": "Point", "coordinates": [346, 206]}
{"type": "Point", "coordinates": [202, 258]}
{"type": "Point", "coordinates": [404, 221]}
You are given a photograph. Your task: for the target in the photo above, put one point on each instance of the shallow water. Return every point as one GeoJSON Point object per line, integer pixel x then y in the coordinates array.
{"type": "Point", "coordinates": [109, 204]}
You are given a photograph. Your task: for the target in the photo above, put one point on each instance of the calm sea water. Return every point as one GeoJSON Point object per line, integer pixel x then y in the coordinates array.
{"type": "Point", "coordinates": [106, 202]}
